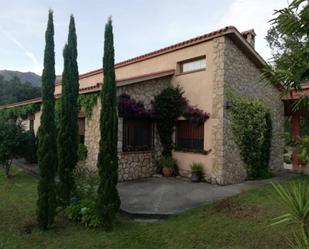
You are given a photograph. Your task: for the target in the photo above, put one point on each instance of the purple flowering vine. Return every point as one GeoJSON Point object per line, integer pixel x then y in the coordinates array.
{"type": "Point", "coordinates": [195, 115]}
{"type": "Point", "coordinates": [128, 107]}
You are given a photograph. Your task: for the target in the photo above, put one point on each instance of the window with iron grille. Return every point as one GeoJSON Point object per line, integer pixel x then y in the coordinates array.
{"type": "Point", "coordinates": [189, 136]}
{"type": "Point", "coordinates": [137, 135]}
{"type": "Point", "coordinates": [81, 130]}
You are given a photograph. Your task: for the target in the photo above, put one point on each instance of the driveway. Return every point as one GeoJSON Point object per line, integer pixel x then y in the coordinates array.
{"type": "Point", "coordinates": [166, 196]}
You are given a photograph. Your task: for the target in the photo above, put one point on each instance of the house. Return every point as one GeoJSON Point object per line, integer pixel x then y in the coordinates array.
{"type": "Point", "coordinates": [206, 68]}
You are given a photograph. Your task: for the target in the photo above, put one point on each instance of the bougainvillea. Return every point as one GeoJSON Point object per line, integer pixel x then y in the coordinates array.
{"type": "Point", "coordinates": [128, 107]}
{"type": "Point", "coordinates": [195, 115]}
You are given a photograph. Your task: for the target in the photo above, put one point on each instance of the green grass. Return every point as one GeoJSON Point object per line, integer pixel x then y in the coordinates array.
{"type": "Point", "coordinates": [239, 222]}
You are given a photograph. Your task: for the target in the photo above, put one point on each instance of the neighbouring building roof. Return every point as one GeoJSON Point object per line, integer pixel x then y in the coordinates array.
{"type": "Point", "coordinates": [294, 95]}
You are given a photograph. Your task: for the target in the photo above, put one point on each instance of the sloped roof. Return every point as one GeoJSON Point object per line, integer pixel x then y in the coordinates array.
{"type": "Point", "coordinates": [228, 30]}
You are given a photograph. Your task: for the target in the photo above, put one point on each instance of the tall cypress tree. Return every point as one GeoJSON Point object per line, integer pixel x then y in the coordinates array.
{"type": "Point", "coordinates": [47, 151]}
{"type": "Point", "coordinates": [108, 202]}
{"type": "Point", "coordinates": [68, 134]}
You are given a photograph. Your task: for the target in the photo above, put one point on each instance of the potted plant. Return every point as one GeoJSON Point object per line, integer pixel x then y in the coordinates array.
{"type": "Point", "coordinates": [196, 172]}
{"type": "Point", "coordinates": [168, 164]}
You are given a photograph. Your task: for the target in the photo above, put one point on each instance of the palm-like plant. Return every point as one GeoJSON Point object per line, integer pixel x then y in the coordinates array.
{"type": "Point", "coordinates": [295, 196]}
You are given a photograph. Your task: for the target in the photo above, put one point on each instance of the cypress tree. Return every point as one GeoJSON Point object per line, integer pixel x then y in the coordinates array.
{"type": "Point", "coordinates": [68, 134]}
{"type": "Point", "coordinates": [108, 202]}
{"type": "Point", "coordinates": [47, 151]}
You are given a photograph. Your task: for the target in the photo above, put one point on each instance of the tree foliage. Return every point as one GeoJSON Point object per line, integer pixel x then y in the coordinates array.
{"type": "Point", "coordinates": [47, 151]}
{"type": "Point", "coordinates": [14, 90]}
{"type": "Point", "coordinates": [30, 147]}
{"type": "Point", "coordinates": [68, 133]}
{"type": "Point", "coordinates": [11, 144]}
{"type": "Point", "coordinates": [288, 38]}
{"type": "Point", "coordinates": [108, 202]}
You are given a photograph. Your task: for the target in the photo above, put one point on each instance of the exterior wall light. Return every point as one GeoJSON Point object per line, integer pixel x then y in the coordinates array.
{"type": "Point", "coordinates": [228, 105]}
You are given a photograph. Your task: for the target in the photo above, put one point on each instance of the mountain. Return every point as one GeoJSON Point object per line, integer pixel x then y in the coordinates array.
{"type": "Point", "coordinates": [33, 78]}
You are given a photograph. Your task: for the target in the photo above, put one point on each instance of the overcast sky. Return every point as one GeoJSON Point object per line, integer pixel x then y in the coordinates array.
{"type": "Point", "coordinates": [140, 26]}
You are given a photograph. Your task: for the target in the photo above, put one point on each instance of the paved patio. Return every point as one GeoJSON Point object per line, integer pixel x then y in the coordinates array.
{"type": "Point", "coordinates": [159, 196]}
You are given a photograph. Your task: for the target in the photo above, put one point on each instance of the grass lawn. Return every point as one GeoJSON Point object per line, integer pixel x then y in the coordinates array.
{"type": "Point", "coordinates": [239, 222]}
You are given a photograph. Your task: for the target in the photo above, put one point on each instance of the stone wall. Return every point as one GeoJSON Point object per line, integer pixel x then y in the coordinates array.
{"type": "Point", "coordinates": [217, 113]}
{"type": "Point", "coordinates": [242, 77]}
{"type": "Point", "coordinates": [92, 136]}
{"type": "Point", "coordinates": [132, 165]}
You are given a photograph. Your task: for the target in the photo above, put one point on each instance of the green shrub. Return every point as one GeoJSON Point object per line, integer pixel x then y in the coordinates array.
{"type": "Point", "coordinates": [30, 147]}
{"type": "Point", "coordinates": [168, 162]}
{"type": "Point", "coordinates": [303, 148]}
{"type": "Point", "coordinates": [11, 144]}
{"type": "Point", "coordinates": [84, 212]}
{"type": "Point", "coordinates": [86, 182]}
{"type": "Point", "coordinates": [82, 152]}
{"type": "Point", "coordinates": [197, 167]}
{"type": "Point", "coordinates": [252, 130]}
{"type": "Point", "coordinates": [168, 106]}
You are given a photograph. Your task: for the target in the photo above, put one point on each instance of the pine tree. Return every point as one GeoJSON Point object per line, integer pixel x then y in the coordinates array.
{"type": "Point", "coordinates": [108, 202]}
{"type": "Point", "coordinates": [47, 151]}
{"type": "Point", "coordinates": [68, 134]}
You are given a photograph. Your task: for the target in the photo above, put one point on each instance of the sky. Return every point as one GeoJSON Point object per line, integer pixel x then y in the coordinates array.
{"type": "Point", "coordinates": [140, 26]}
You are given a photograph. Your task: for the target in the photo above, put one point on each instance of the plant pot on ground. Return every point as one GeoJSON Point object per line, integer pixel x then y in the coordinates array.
{"type": "Point", "coordinates": [196, 172]}
{"type": "Point", "coordinates": [168, 165]}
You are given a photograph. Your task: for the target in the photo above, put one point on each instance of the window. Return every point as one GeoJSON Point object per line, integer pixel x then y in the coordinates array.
{"type": "Point", "coordinates": [192, 65]}
{"type": "Point", "coordinates": [137, 135]}
{"type": "Point", "coordinates": [189, 136]}
{"type": "Point", "coordinates": [81, 130]}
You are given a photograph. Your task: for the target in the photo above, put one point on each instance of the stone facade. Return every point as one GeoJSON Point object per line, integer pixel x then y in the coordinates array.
{"type": "Point", "coordinates": [242, 77]}
{"type": "Point", "coordinates": [132, 165]}
{"type": "Point", "coordinates": [217, 112]}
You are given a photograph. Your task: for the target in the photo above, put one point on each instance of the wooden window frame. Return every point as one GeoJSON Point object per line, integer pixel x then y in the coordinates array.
{"type": "Point", "coordinates": [127, 148]}
{"type": "Point", "coordinates": [180, 65]}
{"type": "Point", "coordinates": [181, 147]}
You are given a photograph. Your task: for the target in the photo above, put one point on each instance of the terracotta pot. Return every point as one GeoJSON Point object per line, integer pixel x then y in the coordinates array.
{"type": "Point", "coordinates": [167, 172]}
{"type": "Point", "coordinates": [195, 177]}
